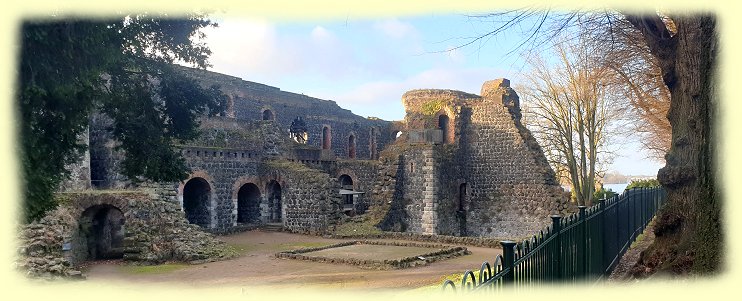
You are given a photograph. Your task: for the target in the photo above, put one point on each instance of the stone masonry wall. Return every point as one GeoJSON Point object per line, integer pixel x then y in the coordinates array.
{"type": "Point", "coordinates": [448, 178]}
{"type": "Point", "coordinates": [417, 190]}
{"type": "Point", "coordinates": [250, 99]}
{"type": "Point", "coordinates": [364, 174]}
{"type": "Point", "coordinates": [310, 199]}
{"type": "Point", "coordinates": [512, 192]}
{"type": "Point", "coordinates": [224, 173]}
{"type": "Point", "coordinates": [155, 231]}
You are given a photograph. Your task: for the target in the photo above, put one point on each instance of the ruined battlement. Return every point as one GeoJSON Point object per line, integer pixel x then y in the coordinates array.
{"type": "Point", "coordinates": [499, 90]}
{"type": "Point", "coordinates": [464, 166]}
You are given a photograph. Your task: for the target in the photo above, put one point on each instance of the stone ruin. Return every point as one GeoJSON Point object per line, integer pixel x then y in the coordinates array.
{"type": "Point", "coordinates": [459, 164]}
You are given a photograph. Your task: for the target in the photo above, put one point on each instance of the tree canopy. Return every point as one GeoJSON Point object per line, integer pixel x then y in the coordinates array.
{"type": "Point", "coordinates": [122, 67]}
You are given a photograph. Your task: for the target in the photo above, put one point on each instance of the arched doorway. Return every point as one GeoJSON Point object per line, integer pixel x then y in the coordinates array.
{"type": "Point", "coordinates": [196, 202]}
{"type": "Point", "coordinates": [462, 197]}
{"type": "Point", "coordinates": [326, 137]}
{"type": "Point", "coordinates": [443, 124]}
{"type": "Point", "coordinates": [102, 228]}
{"type": "Point", "coordinates": [268, 115]}
{"type": "Point", "coordinates": [352, 146]}
{"type": "Point", "coordinates": [273, 192]}
{"type": "Point", "coordinates": [348, 195]}
{"type": "Point", "coordinates": [248, 204]}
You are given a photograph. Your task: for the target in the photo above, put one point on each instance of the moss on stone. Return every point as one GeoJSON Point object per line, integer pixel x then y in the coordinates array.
{"type": "Point", "coordinates": [289, 165]}
{"type": "Point", "coordinates": [431, 107]}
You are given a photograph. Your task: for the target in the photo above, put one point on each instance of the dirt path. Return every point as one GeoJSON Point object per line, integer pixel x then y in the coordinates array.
{"type": "Point", "coordinates": [631, 257]}
{"type": "Point", "coordinates": [258, 267]}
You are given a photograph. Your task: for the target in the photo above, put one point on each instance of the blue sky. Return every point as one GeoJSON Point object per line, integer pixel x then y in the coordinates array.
{"type": "Point", "coordinates": [365, 65]}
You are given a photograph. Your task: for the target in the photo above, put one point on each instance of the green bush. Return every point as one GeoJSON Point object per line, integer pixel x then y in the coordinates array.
{"type": "Point", "coordinates": [598, 195]}
{"type": "Point", "coordinates": [651, 183]}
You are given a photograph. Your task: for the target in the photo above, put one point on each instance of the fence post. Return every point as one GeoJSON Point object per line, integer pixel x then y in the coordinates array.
{"type": "Point", "coordinates": [508, 258]}
{"type": "Point", "coordinates": [582, 245]}
{"type": "Point", "coordinates": [557, 260]}
{"type": "Point", "coordinates": [643, 209]}
{"type": "Point", "coordinates": [601, 236]}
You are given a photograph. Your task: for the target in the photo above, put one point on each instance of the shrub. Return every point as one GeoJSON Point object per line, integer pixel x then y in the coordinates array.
{"type": "Point", "coordinates": [650, 183]}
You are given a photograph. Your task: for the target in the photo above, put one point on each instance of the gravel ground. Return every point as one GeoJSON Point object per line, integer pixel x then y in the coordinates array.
{"type": "Point", "coordinates": [258, 267]}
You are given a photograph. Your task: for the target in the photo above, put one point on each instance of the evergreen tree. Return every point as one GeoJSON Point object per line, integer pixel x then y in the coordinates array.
{"type": "Point", "coordinates": [122, 67]}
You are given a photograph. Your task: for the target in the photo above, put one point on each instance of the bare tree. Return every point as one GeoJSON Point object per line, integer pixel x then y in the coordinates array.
{"type": "Point", "coordinates": [571, 111]}
{"type": "Point", "coordinates": [685, 49]}
{"type": "Point", "coordinates": [637, 77]}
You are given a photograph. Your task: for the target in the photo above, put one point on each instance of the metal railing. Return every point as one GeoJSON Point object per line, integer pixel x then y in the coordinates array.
{"type": "Point", "coordinates": [584, 246]}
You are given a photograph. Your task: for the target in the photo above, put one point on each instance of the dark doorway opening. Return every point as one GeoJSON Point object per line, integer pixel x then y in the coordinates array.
{"type": "Point", "coordinates": [273, 192]}
{"type": "Point", "coordinates": [462, 197]}
{"type": "Point", "coordinates": [102, 227]}
{"type": "Point", "coordinates": [248, 204]}
{"type": "Point", "coordinates": [443, 124]}
{"type": "Point", "coordinates": [461, 209]}
{"type": "Point", "coordinates": [196, 202]}
{"type": "Point", "coordinates": [346, 182]}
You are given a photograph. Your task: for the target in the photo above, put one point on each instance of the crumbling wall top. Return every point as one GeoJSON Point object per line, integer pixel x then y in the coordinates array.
{"type": "Point", "coordinates": [500, 90]}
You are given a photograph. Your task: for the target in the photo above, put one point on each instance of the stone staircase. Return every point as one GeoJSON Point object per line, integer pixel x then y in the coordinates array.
{"type": "Point", "coordinates": [272, 227]}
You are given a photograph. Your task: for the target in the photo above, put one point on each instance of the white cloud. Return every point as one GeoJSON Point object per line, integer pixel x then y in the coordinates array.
{"type": "Point", "coordinates": [321, 34]}
{"type": "Point", "coordinates": [255, 50]}
{"type": "Point", "coordinates": [396, 29]}
{"type": "Point", "coordinates": [244, 45]}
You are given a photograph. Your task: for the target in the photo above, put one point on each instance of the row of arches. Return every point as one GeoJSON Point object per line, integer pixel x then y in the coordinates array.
{"type": "Point", "coordinates": [326, 141]}
{"type": "Point", "coordinates": [198, 202]}
{"type": "Point", "coordinates": [351, 142]}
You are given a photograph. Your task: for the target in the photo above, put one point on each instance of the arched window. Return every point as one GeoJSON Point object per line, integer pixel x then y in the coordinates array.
{"type": "Point", "coordinates": [326, 137]}
{"type": "Point", "coordinates": [444, 125]}
{"type": "Point", "coordinates": [352, 146]}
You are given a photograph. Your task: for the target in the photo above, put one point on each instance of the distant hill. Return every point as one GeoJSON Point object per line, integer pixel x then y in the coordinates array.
{"type": "Point", "coordinates": [618, 178]}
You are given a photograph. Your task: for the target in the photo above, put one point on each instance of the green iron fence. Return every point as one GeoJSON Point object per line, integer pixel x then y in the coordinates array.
{"type": "Point", "coordinates": [584, 246]}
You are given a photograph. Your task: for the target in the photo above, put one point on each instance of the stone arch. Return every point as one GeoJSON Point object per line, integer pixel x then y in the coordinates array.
{"type": "Point", "coordinates": [349, 173]}
{"type": "Point", "coordinates": [274, 198]}
{"type": "Point", "coordinates": [101, 228]}
{"type": "Point", "coordinates": [351, 146]}
{"type": "Point", "coordinates": [445, 122]}
{"type": "Point", "coordinates": [197, 196]}
{"type": "Point", "coordinates": [326, 137]}
{"type": "Point", "coordinates": [267, 114]}
{"type": "Point", "coordinates": [346, 182]}
{"type": "Point", "coordinates": [248, 203]}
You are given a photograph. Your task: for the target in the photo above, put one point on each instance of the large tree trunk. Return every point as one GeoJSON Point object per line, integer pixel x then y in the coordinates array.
{"type": "Point", "coordinates": [688, 231]}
